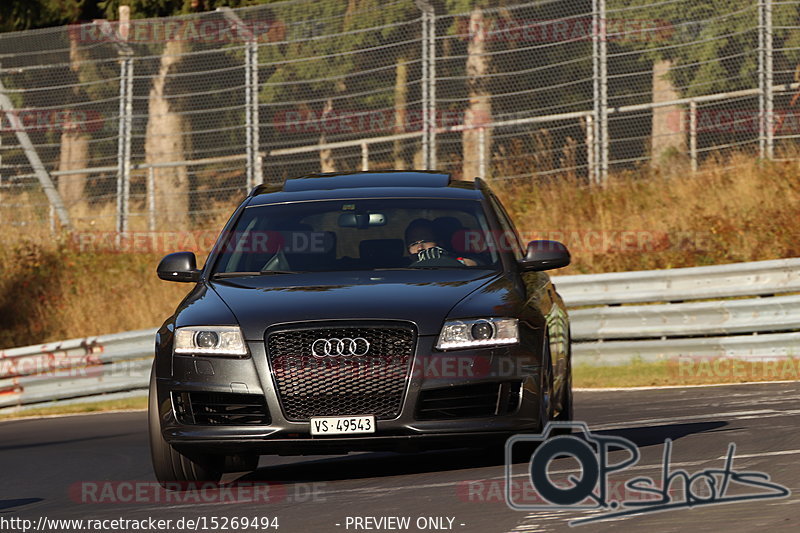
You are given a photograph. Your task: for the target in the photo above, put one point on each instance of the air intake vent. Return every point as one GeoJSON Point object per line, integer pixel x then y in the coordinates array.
{"type": "Point", "coordinates": [220, 409]}
{"type": "Point", "coordinates": [469, 401]}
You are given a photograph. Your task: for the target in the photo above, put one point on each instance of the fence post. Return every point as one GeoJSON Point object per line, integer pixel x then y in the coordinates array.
{"type": "Point", "coordinates": [251, 111]}
{"type": "Point", "coordinates": [432, 92]}
{"type": "Point", "coordinates": [761, 89]}
{"type": "Point", "coordinates": [151, 198]}
{"type": "Point", "coordinates": [424, 82]}
{"type": "Point", "coordinates": [765, 80]}
{"type": "Point", "coordinates": [364, 156]}
{"type": "Point", "coordinates": [125, 120]}
{"type": "Point", "coordinates": [248, 118]}
{"type": "Point", "coordinates": [482, 151]}
{"type": "Point", "coordinates": [693, 134]}
{"type": "Point", "coordinates": [259, 168]}
{"type": "Point", "coordinates": [254, 176]}
{"type": "Point", "coordinates": [428, 83]}
{"type": "Point", "coordinates": [595, 148]}
{"type": "Point", "coordinates": [603, 82]}
{"type": "Point", "coordinates": [258, 177]}
{"type": "Point", "coordinates": [591, 148]}
{"type": "Point", "coordinates": [768, 79]}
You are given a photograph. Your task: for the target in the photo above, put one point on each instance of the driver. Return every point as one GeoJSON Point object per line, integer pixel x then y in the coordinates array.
{"type": "Point", "coordinates": [421, 242]}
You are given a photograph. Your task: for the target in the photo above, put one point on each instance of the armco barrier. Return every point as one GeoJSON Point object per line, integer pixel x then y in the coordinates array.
{"type": "Point", "coordinates": [76, 368]}
{"type": "Point", "coordinates": [718, 317]}
{"type": "Point", "coordinates": [679, 284]}
{"type": "Point", "coordinates": [610, 325]}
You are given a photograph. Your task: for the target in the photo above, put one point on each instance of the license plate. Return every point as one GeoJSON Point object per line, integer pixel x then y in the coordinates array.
{"type": "Point", "coordinates": [342, 425]}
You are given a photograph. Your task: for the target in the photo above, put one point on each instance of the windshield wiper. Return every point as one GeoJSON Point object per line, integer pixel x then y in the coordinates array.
{"type": "Point", "coordinates": [223, 275]}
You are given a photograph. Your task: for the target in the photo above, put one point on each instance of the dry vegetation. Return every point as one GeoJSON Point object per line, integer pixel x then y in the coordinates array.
{"type": "Point", "coordinates": [736, 210]}
{"type": "Point", "coordinates": [49, 291]}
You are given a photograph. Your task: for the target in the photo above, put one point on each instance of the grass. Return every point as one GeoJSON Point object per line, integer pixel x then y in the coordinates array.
{"type": "Point", "coordinates": [124, 404]}
{"type": "Point", "coordinates": [685, 372]}
{"type": "Point", "coordinates": [733, 210]}
{"type": "Point", "coordinates": [50, 290]}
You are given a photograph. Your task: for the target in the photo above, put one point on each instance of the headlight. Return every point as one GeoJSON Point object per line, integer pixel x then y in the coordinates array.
{"type": "Point", "coordinates": [210, 340]}
{"type": "Point", "coordinates": [478, 333]}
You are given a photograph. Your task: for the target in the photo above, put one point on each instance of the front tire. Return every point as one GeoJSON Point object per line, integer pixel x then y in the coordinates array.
{"type": "Point", "coordinates": [173, 469]}
{"type": "Point", "coordinates": [545, 387]}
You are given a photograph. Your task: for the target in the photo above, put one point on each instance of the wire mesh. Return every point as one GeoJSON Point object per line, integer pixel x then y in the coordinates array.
{"type": "Point", "coordinates": [213, 103]}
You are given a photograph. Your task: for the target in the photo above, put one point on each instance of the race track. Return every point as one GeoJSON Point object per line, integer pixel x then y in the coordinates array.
{"type": "Point", "coordinates": [59, 468]}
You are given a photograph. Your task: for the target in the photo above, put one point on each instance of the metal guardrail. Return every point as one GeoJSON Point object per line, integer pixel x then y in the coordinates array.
{"type": "Point", "coordinates": [761, 327]}
{"type": "Point", "coordinates": [765, 347]}
{"type": "Point", "coordinates": [719, 317]}
{"type": "Point", "coordinates": [650, 320]}
{"type": "Point", "coordinates": [679, 284]}
{"type": "Point", "coordinates": [76, 368]}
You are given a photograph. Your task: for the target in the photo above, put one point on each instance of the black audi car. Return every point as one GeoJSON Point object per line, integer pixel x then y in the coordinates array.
{"type": "Point", "coordinates": [352, 312]}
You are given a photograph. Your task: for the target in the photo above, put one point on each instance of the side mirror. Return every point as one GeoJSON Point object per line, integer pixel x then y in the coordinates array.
{"type": "Point", "coordinates": [180, 266]}
{"type": "Point", "coordinates": [545, 255]}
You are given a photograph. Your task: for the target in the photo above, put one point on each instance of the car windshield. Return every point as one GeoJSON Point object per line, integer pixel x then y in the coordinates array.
{"type": "Point", "coordinates": [360, 234]}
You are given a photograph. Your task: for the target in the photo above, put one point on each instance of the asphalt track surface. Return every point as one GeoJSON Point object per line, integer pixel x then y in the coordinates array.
{"type": "Point", "coordinates": [48, 464]}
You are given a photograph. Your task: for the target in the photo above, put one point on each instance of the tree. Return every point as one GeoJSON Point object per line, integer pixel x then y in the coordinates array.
{"type": "Point", "coordinates": [313, 72]}
{"type": "Point", "coordinates": [515, 65]}
{"type": "Point", "coordinates": [702, 48]}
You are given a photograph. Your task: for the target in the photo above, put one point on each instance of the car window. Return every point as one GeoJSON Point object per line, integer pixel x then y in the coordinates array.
{"type": "Point", "coordinates": [359, 235]}
{"type": "Point", "coordinates": [511, 237]}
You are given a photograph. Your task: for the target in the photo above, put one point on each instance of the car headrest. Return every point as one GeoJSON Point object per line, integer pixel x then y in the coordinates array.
{"type": "Point", "coordinates": [381, 248]}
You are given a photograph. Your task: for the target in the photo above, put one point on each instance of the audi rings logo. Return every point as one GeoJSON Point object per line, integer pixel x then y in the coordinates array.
{"type": "Point", "coordinates": [336, 347]}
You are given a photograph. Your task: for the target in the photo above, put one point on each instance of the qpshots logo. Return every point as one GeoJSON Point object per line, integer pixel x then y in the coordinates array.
{"type": "Point", "coordinates": [589, 489]}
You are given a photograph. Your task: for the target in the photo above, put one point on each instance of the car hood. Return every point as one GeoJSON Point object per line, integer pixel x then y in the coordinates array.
{"type": "Point", "coordinates": [422, 296]}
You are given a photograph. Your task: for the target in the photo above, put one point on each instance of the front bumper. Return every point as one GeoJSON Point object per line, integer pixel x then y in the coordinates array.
{"type": "Point", "coordinates": [430, 370]}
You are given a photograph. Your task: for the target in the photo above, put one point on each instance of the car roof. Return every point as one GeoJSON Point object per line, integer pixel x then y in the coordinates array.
{"type": "Point", "coordinates": [384, 184]}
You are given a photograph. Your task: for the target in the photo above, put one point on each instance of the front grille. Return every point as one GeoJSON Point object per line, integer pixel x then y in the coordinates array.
{"type": "Point", "coordinates": [371, 384]}
{"type": "Point", "coordinates": [468, 401]}
{"type": "Point", "coordinates": [220, 409]}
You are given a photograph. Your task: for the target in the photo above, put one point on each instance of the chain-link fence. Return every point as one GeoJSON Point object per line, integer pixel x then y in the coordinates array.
{"type": "Point", "coordinates": [165, 123]}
